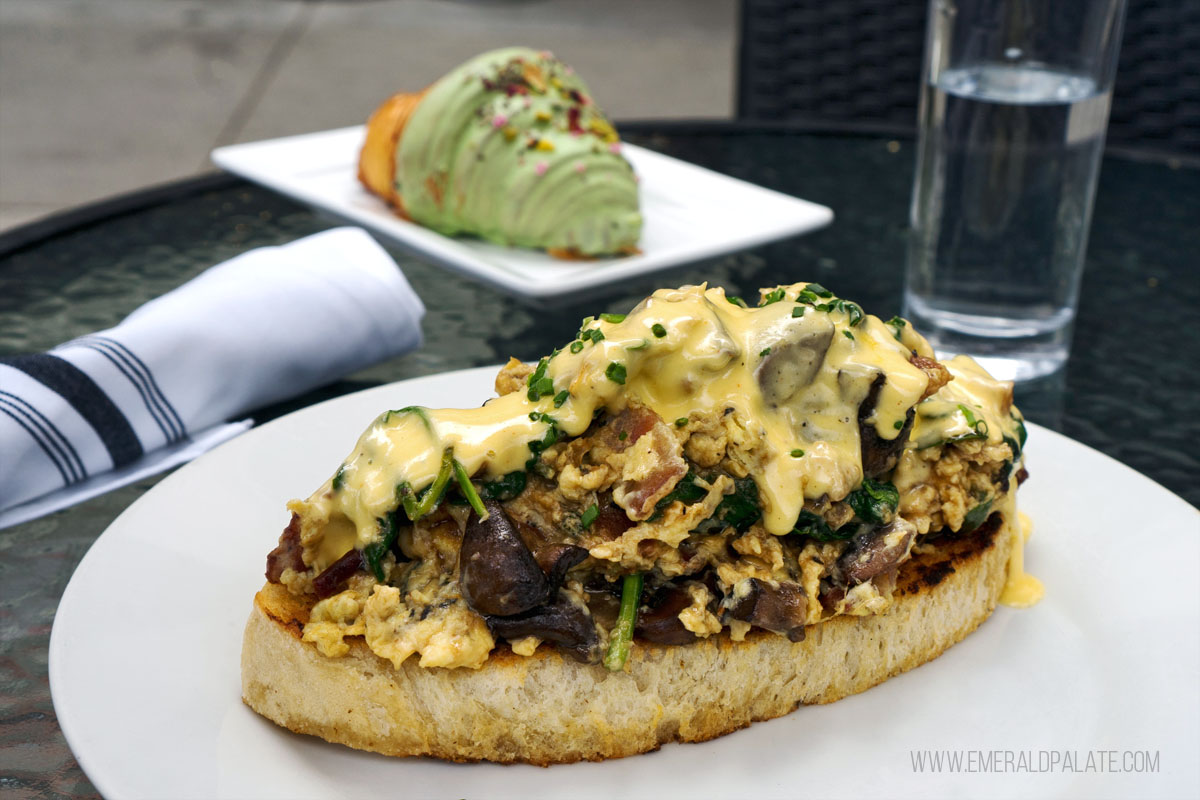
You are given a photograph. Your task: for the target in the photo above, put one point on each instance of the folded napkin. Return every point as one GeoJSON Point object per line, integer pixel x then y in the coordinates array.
{"type": "Point", "coordinates": [157, 390]}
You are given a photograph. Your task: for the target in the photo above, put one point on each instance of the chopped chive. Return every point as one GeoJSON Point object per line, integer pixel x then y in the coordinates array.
{"type": "Point", "coordinates": [561, 398]}
{"type": "Point", "coordinates": [576, 346]}
{"type": "Point", "coordinates": [737, 301]}
{"type": "Point", "coordinates": [847, 334]}
{"type": "Point", "coordinates": [615, 372]}
{"type": "Point", "coordinates": [658, 330]}
{"type": "Point", "coordinates": [339, 478]}
{"type": "Point", "coordinates": [589, 516]}
{"type": "Point", "coordinates": [679, 423]}
{"type": "Point", "coordinates": [797, 453]}
{"type": "Point", "coordinates": [818, 290]}
{"type": "Point", "coordinates": [765, 353]}
{"type": "Point", "coordinates": [614, 318]}
{"type": "Point", "coordinates": [623, 436]}
{"type": "Point", "coordinates": [645, 343]}
{"type": "Point", "coordinates": [898, 424]}
{"type": "Point", "coordinates": [468, 490]}
{"type": "Point", "coordinates": [622, 633]}
{"type": "Point", "coordinates": [798, 311]}
{"type": "Point", "coordinates": [855, 312]}
{"type": "Point", "coordinates": [773, 296]}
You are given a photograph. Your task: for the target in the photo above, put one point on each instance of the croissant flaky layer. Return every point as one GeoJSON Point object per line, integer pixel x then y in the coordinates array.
{"type": "Point", "coordinates": [509, 147]}
{"type": "Point", "coordinates": [377, 162]}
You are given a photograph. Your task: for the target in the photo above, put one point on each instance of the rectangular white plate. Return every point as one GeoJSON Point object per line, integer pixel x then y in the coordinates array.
{"type": "Point", "coordinates": [691, 213]}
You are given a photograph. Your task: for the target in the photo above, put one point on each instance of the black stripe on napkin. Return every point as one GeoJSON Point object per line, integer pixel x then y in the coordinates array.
{"type": "Point", "coordinates": [48, 431]}
{"type": "Point", "coordinates": [173, 418]}
{"type": "Point", "coordinates": [82, 393]}
{"type": "Point", "coordinates": [40, 441]}
{"type": "Point", "coordinates": [125, 368]}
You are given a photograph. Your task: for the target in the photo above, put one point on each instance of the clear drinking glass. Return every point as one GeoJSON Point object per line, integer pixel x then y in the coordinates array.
{"type": "Point", "coordinates": [1013, 109]}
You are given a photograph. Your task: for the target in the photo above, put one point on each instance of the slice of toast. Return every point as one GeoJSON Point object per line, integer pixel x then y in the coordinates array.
{"type": "Point", "coordinates": [547, 709]}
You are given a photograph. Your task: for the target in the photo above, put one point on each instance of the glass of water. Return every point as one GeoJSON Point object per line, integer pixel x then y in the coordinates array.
{"type": "Point", "coordinates": [1013, 109]}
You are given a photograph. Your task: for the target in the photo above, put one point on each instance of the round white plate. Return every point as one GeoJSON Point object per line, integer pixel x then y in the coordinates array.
{"type": "Point", "coordinates": [1102, 675]}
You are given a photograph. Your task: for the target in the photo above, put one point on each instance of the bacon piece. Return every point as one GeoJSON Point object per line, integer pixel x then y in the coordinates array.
{"type": "Point", "coordinates": [652, 468]}
{"type": "Point", "coordinates": [288, 554]}
{"type": "Point", "coordinates": [337, 574]}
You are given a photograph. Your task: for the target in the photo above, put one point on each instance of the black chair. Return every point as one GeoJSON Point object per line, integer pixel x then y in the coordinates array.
{"type": "Point", "coordinates": [859, 62]}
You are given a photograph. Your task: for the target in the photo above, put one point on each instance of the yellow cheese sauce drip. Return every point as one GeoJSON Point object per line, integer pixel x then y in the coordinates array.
{"type": "Point", "coordinates": [1021, 590]}
{"type": "Point", "coordinates": [792, 373]}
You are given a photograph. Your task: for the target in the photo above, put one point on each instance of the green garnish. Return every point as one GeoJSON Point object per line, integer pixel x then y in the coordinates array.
{"type": "Point", "coordinates": [576, 346]}
{"type": "Point", "coordinates": [622, 633]}
{"type": "Point", "coordinates": [420, 412]}
{"type": "Point", "coordinates": [897, 324]}
{"type": "Point", "coordinates": [615, 372]}
{"type": "Point", "coordinates": [538, 445]}
{"type": "Point", "coordinates": [847, 334]}
{"type": "Point", "coordinates": [739, 510]}
{"type": "Point", "coordinates": [854, 311]}
{"type": "Point", "coordinates": [773, 296]}
{"type": "Point", "coordinates": [658, 330]}
{"type": "Point", "coordinates": [737, 301]}
{"type": "Point", "coordinates": [622, 436]}
{"type": "Point", "coordinates": [416, 508]}
{"type": "Point", "coordinates": [797, 453]}
{"type": "Point", "coordinates": [687, 491]}
{"type": "Point", "coordinates": [875, 501]}
{"type": "Point", "coordinates": [505, 488]}
{"type": "Point", "coordinates": [376, 550]}
{"type": "Point", "coordinates": [339, 478]}
{"type": "Point", "coordinates": [614, 318]}
{"type": "Point", "coordinates": [679, 423]}
{"type": "Point", "coordinates": [818, 290]}
{"type": "Point", "coordinates": [589, 516]}
{"type": "Point", "coordinates": [764, 353]}
{"type": "Point", "coordinates": [468, 489]}
{"type": "Point", "coordinates": [561, 398]}
{"type": "Point", "coordinates": [540, 384]}
{"type": "Point", "coordinates": [898, 424]}
{"type": "Point", "coordinates": [976, 516]}
{"type": "Point", "coordinates": [809, 524]}
{"type": "Point", "coordinates": [645, 343]}
{"type": "Point", "coordinates": [798, 311]}
{"type": "Point", "coordinates": [978, 425]}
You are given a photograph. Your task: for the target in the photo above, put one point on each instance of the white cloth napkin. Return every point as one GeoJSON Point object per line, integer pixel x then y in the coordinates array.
{"type": "Point", "coordinates": [158, 390]}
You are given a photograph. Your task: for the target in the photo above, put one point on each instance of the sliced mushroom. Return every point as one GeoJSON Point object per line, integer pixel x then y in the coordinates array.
{"type": "Point", "coordinates": [781, 608]}
{"type": "Point", "coordinates": [662, 624]}
{"type": "Point", "coordinates": [877, 551]}
{"type": "Point", "coordinates": [496, 571]}
{"type": "Point", "coordinates": [879, 455]}
{"type": "Point", "coordinates": [793, 361]}
{"type": "Point", "coordinates": [556, 559]}
{"type": "Point", "coordinates": [562, 622]}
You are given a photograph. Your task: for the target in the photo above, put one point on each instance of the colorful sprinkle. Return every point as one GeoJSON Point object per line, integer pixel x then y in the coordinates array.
{"type": "Point", "coordinates": [541, 168]}
{"type": "Point", "coordinates": [615, 147]}
{"type": "Point", "coordinates": [580, 167]}
{"type": "Point", "coordinates": [545, 145]}
{"type": "Point", "coordinates": [499, 121]}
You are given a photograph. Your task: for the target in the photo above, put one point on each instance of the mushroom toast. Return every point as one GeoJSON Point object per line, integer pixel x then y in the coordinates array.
{"type": "Point", "coordinates": [691, 517]}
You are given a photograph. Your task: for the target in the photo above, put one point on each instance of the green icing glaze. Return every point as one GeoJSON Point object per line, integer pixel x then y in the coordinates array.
{"type": "Point", "coordinates": [511, 147]}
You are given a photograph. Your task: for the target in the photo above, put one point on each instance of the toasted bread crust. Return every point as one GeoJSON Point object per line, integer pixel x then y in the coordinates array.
{"type": "Point", "coordinates": [548, 709]}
